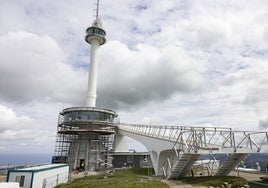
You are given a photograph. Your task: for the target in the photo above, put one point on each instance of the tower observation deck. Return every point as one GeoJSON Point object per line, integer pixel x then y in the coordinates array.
{"type": "Point", "coordinates": [85, 135]}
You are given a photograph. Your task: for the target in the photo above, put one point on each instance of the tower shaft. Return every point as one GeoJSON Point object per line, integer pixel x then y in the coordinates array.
{"type": "Point", "coordinates": [93, 74]}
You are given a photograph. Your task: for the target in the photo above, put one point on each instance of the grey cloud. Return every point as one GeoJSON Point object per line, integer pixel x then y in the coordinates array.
{"type": "Point", "coordinates": [255, 96]}
{"type": "Point", "coordinates": [263, 124]}
{"type": "Point", "coordinates": [133, 78]}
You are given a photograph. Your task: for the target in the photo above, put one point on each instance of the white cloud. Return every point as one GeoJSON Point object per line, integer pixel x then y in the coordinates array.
{"type": "Point", "coordinates": [22, 129]}
{"type": "Point", "coordinates": [152, 120]}
{"type": "Point", "coordinates": [33, 68]}
{"type": "Point", "coordinates": [178, 62]}
{"type": "Point", "coordinates": [9, 119]}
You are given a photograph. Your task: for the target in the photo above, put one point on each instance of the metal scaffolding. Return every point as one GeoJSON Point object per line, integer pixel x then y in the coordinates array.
{"type": "Point", "coordinates": [85, 137]}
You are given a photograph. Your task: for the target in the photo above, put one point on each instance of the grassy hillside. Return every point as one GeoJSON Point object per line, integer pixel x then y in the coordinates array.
{"type": "Point", "coordinates": [132, 178]}
{"type": "Point", "coordinates": [215, 181]}
{"type": "Point", "coordinates": [129, 178]}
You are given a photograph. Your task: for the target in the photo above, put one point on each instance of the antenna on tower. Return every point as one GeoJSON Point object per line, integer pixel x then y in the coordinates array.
{"type": "Point", "coordinates": [97, 21]}
{"type": "Point", "coordinates": [96, 9]}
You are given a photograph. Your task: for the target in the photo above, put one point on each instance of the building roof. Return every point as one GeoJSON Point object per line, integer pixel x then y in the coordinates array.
{"type": "Point", "coordinates": [130, 153]}
{"type": "Point", "coordinates": [39, 168]}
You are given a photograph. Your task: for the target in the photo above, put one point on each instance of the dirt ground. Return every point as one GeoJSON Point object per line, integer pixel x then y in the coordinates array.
{"type": "Point", "coordinates": [177, 184]}
{"type": "Point", "coordinates": [248, 176]}
{"type": "Point", "coordinates": [3, 178]}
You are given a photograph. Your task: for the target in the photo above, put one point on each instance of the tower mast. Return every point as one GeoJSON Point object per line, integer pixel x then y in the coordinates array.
{"type": "Point", "coordinates": [95, 36]}
{"type": "Point", "coordinates": [85, 135]}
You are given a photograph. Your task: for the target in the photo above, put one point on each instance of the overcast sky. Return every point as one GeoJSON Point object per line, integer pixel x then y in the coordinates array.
{"type": "Point", "coordinates": [175, 62]}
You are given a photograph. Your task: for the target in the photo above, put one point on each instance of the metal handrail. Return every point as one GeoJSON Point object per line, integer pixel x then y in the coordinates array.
{"type": "Point", "coordinates": [198, 138]}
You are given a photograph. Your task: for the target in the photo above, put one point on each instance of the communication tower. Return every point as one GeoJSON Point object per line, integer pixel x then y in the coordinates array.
{"type": "Point", "coordinates": [85, 135]}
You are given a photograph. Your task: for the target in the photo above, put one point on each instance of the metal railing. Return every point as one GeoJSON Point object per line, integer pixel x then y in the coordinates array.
{"type": "Point", "coordinates": [193, 139]}
{"type": "Point", "coordinates": [168, 164]}
{"type": "Point", "coordinates": [201, 138]}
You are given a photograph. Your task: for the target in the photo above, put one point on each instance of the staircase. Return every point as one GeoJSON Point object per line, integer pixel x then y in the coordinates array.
{"type": "Point", "coordinates": [230, 163]}
{"type": "Point", "coordinates": [183, 165]}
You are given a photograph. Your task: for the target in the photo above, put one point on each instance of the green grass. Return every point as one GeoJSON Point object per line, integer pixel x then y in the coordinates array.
{"type": "Point", "coordinates": [214, 181]}
{"type": "Point", "coordinates": [128, 178]}
{"type": "Point", "coordinates": [137, 177]}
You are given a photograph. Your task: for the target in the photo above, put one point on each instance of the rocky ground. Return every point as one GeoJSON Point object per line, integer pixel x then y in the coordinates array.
{"type": "Point", "coordinates": [3, 176]}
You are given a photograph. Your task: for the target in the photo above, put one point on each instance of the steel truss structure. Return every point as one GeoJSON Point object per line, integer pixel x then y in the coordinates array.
{"type": "Point", "coordinates": [190, 142]}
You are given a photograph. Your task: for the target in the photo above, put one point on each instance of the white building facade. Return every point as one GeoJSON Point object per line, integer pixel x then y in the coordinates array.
{"type": "Point", "coordinates": [45, 176]}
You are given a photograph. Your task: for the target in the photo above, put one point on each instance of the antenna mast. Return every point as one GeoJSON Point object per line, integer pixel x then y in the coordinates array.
{"type": "Point", "coordinates": [97, 3]}
{"type": "Point", "coordinates": [97, 21]}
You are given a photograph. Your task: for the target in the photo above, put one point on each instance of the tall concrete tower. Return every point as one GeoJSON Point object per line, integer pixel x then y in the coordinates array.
{"type": "Point", "coordinates": [85, 135]}
{"type": "Point", "coordinates": [96, 37]}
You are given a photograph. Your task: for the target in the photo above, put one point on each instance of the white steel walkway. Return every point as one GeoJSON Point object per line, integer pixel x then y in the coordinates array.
{"type": "Point", "coordinates": [174, 149]}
